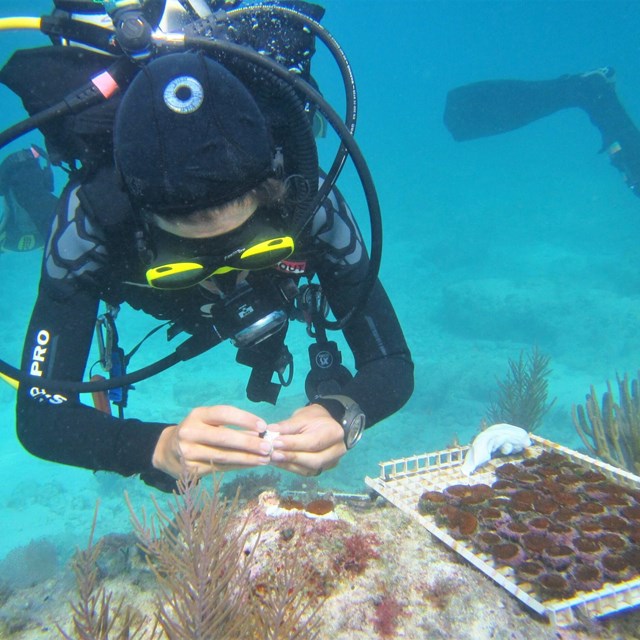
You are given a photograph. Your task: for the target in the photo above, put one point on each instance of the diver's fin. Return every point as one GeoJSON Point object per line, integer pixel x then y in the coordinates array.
{"type": "Point", "coordinates": [496, 106]}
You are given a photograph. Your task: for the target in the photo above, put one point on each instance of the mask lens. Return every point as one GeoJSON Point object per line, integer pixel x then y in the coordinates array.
{"type": "Point", "coordinates": [261, 255]}
{"type": "Point", "coordinates": [184, 262]}
{"type": "Point", "coordinates": [182, 274]}
{"type": "Point", "coordinates": [177, 275]}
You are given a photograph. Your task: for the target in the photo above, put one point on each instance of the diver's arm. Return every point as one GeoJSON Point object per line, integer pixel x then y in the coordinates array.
{"type": "Point", "coordinates": [57, 426]}
{"type": "Point", "coordinates": [311, 440]}
{"type": "Point", "coordinates": [384, 378]}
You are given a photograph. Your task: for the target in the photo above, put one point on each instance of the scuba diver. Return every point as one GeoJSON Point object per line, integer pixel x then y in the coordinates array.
{"type": "Point", "coordinates": [28, 201]}
{"type": "Point", "coordinates": [196, 197]}
{"type": "Point", "coordinates": [495, 106]}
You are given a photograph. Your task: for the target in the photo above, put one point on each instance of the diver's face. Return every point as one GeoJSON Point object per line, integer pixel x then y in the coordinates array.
{"type": "Point", "coordinates": [212, 222]}
{"type": "Point", "coordinates": [213, 242]}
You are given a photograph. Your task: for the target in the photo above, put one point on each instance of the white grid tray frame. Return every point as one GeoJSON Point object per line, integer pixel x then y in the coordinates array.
{"type": "Point", "coordinates": [403, 481]}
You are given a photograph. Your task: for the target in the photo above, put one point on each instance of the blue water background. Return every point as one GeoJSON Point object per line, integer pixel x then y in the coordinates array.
{"type": "Point", "coordinates": [491, 246]}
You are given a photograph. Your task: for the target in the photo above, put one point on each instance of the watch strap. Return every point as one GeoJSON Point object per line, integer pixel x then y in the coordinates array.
{"type": "Point", "coordinates": [335, 408]}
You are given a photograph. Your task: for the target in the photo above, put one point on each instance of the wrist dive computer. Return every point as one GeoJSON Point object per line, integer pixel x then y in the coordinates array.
{"type": "Point", "coordinates": [348, 413]}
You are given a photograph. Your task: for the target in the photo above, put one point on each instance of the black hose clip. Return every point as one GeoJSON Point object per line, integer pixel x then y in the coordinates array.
{"type": "Point", "coordinates": [310, 305]}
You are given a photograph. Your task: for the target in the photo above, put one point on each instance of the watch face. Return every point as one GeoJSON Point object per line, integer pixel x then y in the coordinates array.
{"type": "Point", "coordinates": [354, 430]}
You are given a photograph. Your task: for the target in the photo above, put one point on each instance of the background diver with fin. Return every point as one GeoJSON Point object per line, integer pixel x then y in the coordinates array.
{"type": "Point", "coordinates": [492, 107]}
{"type": "Point", "coordinates": [195, 196]}
{"type": "Point", "coordinates": [28, 201]}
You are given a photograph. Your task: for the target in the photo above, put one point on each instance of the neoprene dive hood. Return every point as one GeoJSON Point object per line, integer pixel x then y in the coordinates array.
{"type": "Point", "coordinates": [236, 41]}
{"type": "Point", "coordinates": [189, 135]}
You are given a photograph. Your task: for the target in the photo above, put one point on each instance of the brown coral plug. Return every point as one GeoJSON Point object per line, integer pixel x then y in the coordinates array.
{"type": "Point", "coordinates": [586, 577]}
{"type": "Point", "coordinates": [593, 477]}
{"type": "Point", "coordinates": [634, 533]}
{"type": "Point", "coordinates": [544, 506]}
{"type": "Point", "coordinates": [507, 471]}
{"type": "Point", "coordinates": [492, 517]}
{"type": "Point", "coordinates": [467, 495]}
{"type": "Point", "coordinates": [430, 501]}
{"type": "Point", "coordinates": [614, 524]}
{"type": "Point", "coordinates": [588, 549]}
{"type": "Point", "coordinates": [535, 543]}
{"type": "Point", "coordinates": [320, 507]}
{"type": "Point", "coordinates": [539, 524]}
{"type": "Point", "coordinates": [590, 529]}
{"type": "Point", "coordinates": [551, 458]}
{"type": "Point", "coordinates": [566, 500]}
{"type": "Point", "coordinates": [529, 570]}
{"type": "Point", "coordinates": [569, 480]}
{"type": "Point", "coordinates": [616, 567]}
{"type": "Point", "coordinates": [513, 530]}
{"type": "Point", "coordinates": [558, 556]}
{"type": "Point", "coordinates": [525, 478]}
{"type": "Point", "coordinates": [565, 515]}
{"type": "Point", "coordinates": [485, 540]}
{"type": "Point", "coordinates": [465, 526]}
{"type": "Point", "coordinates": [613, 542]}
{"type": "Point", "coordinates": [561, 533]}
{"type": "Point", "coordinates": [461, 524]}
{"type": "Point", "coordinates": [554, 586]}
{"type": "Point", "coordinates": [508, 553]}
{"type": "Point", "coordinates": [590, 509]}
{"type": "Point", "coordinates": [290, 504]}
{"type": "Point", "coordinates": [504, 487]}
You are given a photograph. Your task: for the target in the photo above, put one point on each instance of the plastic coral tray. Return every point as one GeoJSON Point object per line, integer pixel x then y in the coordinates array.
{"type": "Point", "coordinates": [403, 481]}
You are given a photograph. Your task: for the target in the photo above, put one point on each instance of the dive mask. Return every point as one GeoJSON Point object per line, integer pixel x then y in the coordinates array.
{"type": "Point", "coordinates": [184, 262]}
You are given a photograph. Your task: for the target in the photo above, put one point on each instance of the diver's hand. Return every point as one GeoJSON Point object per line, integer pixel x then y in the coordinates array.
{"type": "Point", "coordinates": [217, 438]}
{"type": "Point", "coordinates": [310, 441]}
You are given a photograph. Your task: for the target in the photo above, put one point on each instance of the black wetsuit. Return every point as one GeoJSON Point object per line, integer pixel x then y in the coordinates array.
{"type": "Point", "coordinates": [87, 260]}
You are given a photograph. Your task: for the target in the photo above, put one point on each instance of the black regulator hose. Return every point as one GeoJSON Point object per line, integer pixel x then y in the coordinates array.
{"type": "Point", "coordinates": [348, 81]}
{"type": "Point", "coordinates": [190, 348]}
{"type": "Point", "coordinates": [280, 101]}
{"type": "Point", "coordinates": [70, 386]}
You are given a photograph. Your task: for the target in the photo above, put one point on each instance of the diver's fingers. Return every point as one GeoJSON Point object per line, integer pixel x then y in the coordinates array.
{"type": "Point", "coordinates": [206, 459]}
{"type": "Point", "coordinates": [308, 463]}
{"type": "Point", "coordinates": [203, 442]}
{"type": "Point", "coordinates": [227, 415]}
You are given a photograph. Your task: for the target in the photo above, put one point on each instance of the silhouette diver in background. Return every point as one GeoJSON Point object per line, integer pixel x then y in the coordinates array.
{"type": "Point", "coordinates": [28, 201]}
{"type": "Point", "coordinates": [492, 107]}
